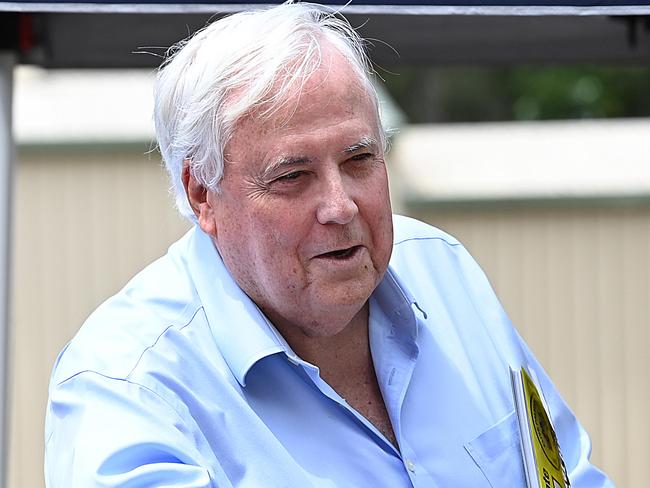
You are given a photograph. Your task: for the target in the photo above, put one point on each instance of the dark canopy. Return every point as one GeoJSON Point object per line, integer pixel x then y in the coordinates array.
{"type": "Point", "coordinates": [110, 34]}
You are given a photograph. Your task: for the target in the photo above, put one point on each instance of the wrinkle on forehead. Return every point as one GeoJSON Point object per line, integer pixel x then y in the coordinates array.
{"type": "Point", "coordinates": [334, 68]}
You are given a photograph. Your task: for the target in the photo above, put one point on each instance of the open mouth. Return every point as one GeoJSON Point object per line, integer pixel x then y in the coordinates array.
{"type": "Point", "coordinates": [341, 253]}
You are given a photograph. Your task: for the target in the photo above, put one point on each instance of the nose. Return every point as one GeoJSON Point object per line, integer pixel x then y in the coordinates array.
{"type": "Point", "coordinates": [337, 205]}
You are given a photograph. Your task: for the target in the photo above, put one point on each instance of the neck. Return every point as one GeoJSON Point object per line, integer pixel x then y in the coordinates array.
{"type": "Point", "coordinates": [339, 355]}
{"type": "Point", "coordinates": [345, 363]}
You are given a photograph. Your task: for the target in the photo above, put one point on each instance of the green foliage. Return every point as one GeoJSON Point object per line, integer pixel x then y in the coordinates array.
{"type": "Point", "coordinates": [458, 94]}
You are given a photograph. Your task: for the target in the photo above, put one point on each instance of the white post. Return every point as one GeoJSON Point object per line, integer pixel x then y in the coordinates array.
{"type": "Point", "coordinates": [7, 61]}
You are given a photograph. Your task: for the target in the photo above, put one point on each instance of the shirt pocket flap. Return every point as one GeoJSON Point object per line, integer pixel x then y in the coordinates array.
{"type": "Point", "coordinates": [497, 452]}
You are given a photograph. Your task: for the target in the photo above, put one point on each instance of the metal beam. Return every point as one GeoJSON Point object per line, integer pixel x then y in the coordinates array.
{"type": "Point", "coordinates": [84, 40]}
{"type": "Point", "coordinates": [401, 7]}
{"type": "Point", "coordinates": [7, 61]}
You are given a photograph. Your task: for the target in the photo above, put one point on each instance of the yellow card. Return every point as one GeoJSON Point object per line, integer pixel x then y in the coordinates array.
{"type": "Point", "coordinates": [540, 449]}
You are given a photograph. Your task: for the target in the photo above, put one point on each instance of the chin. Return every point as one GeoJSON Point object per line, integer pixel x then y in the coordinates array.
{"type": "Point", "coordinates": [346, 304]}
{"type": "Point", "coordinates": [333, 318]}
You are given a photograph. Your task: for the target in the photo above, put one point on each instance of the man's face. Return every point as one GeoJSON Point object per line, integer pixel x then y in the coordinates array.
{"type": "Point", "coordinates": [303, 219]}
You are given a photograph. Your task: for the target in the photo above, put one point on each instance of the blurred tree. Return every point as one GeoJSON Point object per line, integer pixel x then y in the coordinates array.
{"type": "Point", "coordinates": [472, 94]}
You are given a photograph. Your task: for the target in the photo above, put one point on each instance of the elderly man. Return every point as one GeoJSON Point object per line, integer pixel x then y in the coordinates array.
{"type": "Point", "coordinates": [298, 335]}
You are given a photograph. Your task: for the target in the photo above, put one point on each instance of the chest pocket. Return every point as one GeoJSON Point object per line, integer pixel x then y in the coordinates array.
{"type": "Point", "coordinates": [497, 452]}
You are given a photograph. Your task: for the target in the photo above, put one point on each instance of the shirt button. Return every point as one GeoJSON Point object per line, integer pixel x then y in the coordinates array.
{"type": "Point", "coordinates": [410, 465]}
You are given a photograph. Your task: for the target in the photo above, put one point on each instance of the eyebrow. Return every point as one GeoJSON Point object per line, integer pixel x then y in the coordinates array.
{"type": "Point", "coordinates": [364, 143]}
{"type": "Point", "coordinates": [287, 162]}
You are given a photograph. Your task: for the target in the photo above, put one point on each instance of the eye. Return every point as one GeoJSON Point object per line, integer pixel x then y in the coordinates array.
{"type": "Point", "coordinates": [361, 157]}
{"type": "Point", "coordinates": [290, 180]}
{"type": "Point", "coordinates": [294, 175]}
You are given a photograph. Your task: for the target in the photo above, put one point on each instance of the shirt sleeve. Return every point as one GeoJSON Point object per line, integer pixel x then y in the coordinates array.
{"type": "Point", "coordinates": [108, 432]}
{"type": "Point", "coordinates": [574, 441]}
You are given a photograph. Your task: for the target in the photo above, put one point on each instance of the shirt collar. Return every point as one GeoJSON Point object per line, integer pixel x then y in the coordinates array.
{"type": "Point", "coordinates": [241, 331]}
{"type": "Point", "coordinates": [396, 304]}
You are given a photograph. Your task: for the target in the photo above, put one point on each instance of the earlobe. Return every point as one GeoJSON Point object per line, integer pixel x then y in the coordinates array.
{"type": "Point", "coordinates": [198, 197]}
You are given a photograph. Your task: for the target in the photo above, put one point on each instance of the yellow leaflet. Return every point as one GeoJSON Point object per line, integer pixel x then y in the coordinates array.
{"type": "Point", "coordinates": [548, 461]}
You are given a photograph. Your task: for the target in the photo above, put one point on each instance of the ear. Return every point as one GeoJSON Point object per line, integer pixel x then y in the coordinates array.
{"type": "Point", "coordinates": [201, 201]}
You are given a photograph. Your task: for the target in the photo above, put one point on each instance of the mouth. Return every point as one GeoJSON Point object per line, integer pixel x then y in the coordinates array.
{"type": "Point", "coordinates": [341, 254]}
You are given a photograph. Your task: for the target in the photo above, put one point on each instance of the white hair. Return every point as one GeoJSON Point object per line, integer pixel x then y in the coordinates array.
{"type": "Point", "coordinates": [237, 64]}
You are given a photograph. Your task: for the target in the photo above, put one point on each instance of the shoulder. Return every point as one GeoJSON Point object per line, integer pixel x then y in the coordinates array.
{"type": "Point", "coordinates": [431, 262]}
{"type": "Point", "coordinates": [407, 229]}
{"type": "Point", "coordinates": [151, 309]}
{"type": "Point", "coordinates": [449, 285]}
{"type": "Point", "coordinates": [418, 246]}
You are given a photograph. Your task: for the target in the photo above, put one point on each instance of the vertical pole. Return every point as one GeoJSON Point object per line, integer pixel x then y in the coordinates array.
{"type": "Point", "coordinates": [7, 61]}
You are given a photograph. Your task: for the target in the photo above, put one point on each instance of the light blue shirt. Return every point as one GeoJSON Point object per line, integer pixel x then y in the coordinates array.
{"type": "Point", "coordinates": [180, 381]}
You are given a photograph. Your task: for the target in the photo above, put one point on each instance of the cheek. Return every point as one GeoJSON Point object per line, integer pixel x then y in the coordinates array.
{"type": "Point", "coordinates": [376, 198]}
{"type": "Point", "coordinates": [384, 240]}
{"type": "Point", "coordinates": [381, 221]}
{"type": "Point", "coordinates": [274, 246]}
{"type": "Point", "coordinates": [288, 227]}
